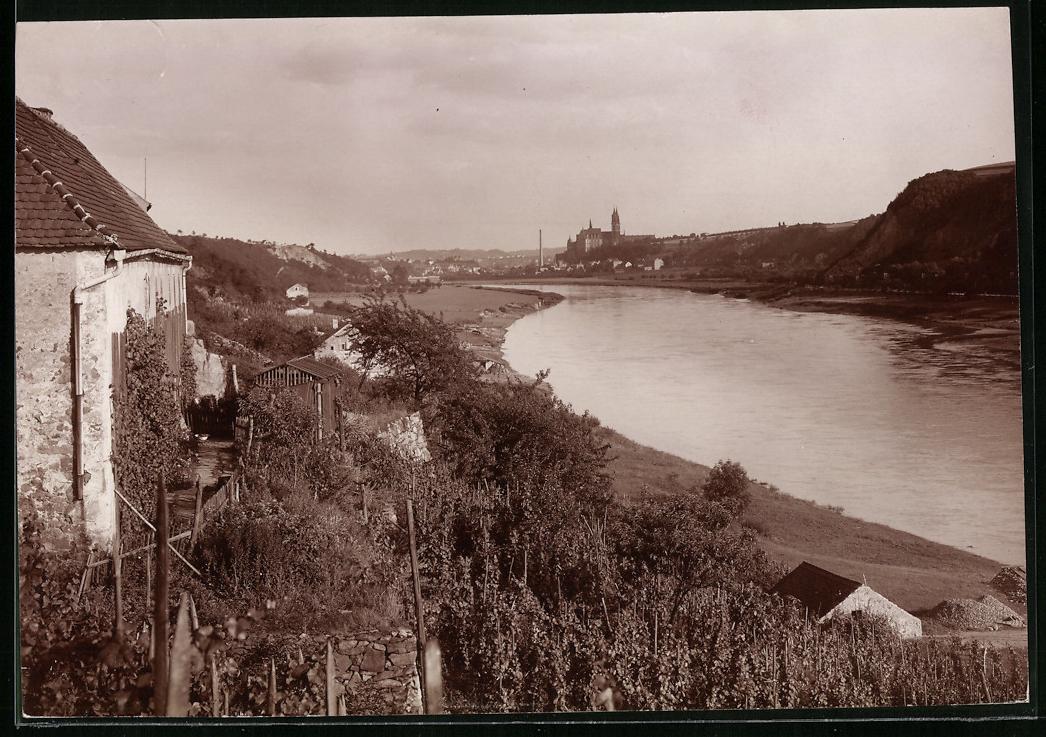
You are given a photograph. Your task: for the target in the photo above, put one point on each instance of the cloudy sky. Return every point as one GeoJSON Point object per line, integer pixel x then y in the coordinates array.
{"type": "Point", "coordinates": [369, 135]}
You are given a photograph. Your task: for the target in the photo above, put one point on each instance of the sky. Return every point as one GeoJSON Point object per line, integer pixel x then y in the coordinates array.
{"type": "Point", "coordinates": [374, 135]}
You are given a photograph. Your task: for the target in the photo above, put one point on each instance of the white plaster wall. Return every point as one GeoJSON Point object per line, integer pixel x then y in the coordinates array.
{"type": "Point", "coordinates": [865, 599]}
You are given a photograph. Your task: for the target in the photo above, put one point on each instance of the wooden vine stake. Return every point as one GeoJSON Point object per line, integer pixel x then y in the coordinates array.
{"type": "Point", "coordinates": [270, 699]}
{"type": "Point", "coordinates": [87, 573]}
{"type": "Point", "coordinates": [197, 518]}
{"type": "Point", "coordinates": [181, 663]}
{"type": "Point", "coordinates": [332, 706]}
{"type": "Point", "coordinates": [161, 625]}
{"type": "Point", "coordinates": [433, 678]}
{"type": "Point", "coordinates": [419, 611]}
{"type": "Point", "coordinates": [216, 707]}
{"type": "Point", "coordinates": [118, 626]}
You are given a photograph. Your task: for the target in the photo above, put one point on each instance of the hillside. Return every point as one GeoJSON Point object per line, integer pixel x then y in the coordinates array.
{"type": "Point", "coordinates": [237, 269]}
{"type": "Point", "coordinates": [947, 231]}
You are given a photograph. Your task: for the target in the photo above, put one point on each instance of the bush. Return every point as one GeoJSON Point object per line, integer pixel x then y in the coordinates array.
{"type": "Point", "coordinates": [149, 439]}
{"type": "Point", "coordinates": [727, 484]}
{"type": "Point", "coordinates": [313, 559]}
{"type": "Point", "coordinates": [520, 434]}
{"type": "Point", "coordinates": [285, 455]}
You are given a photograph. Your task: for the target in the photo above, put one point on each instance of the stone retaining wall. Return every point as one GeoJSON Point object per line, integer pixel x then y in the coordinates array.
{"type": "Point", "coordinates": [383, 661]}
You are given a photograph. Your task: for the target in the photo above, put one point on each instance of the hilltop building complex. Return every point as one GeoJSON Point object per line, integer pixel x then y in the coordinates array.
{"type": "Point", "coordinates": [591, 238]}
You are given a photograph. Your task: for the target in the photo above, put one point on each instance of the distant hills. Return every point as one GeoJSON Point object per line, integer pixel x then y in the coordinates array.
{"type": "Point", "coordinates": [946, 231]}
{"type": "Point", "coordinates": [950, 230]}
{"type": "Point", "coordinates": [465, 254]}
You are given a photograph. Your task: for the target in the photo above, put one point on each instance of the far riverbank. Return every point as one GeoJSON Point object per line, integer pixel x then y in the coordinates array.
{"type": "Point", "coordinates": [990, 321]}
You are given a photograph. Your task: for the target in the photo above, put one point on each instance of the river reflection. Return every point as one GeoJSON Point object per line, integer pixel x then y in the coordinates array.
{"type": "Point", "coordinates": [858, 412]}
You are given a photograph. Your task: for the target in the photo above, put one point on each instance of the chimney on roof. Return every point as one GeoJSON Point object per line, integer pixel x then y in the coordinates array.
{"type": "Point", "coordinates": [45, 111]}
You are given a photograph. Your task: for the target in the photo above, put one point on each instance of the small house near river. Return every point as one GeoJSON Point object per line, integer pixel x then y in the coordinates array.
{"type": "Point", "coordinates": [827, 595]}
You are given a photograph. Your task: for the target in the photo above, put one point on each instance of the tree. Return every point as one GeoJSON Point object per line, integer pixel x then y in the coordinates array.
{"type": "Point", "coordinates": [685, 542]}
{"type": "Point", "coordinates": [399, 275]}
{"type": "Point", "coordinates": [419, 353]}
{"type": "Point", "coordinates": [520, 434]}
{"type": "Point", "coordinates": [727, 484]}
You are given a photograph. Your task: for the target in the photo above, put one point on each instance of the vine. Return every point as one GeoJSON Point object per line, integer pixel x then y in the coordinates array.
{"type": "Point", "coordinates": [187, 380]}
{"type": "Point", "coordinates": [149, 438]}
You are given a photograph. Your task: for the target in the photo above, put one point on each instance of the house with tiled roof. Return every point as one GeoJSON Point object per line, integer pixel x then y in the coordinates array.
{"type": "Point", "coordinates": [85, 252]}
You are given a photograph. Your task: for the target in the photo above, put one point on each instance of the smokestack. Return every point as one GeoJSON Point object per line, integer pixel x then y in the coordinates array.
{"type": "Point", "coordinates": [541, 252]}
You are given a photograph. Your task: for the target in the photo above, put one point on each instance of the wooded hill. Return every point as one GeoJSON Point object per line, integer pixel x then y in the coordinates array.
{"type": "Point", "coordinates": [240, 270]}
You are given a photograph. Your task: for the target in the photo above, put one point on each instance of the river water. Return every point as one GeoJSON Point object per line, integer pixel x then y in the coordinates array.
{"type": "Point", "coordinates": [846, 410]}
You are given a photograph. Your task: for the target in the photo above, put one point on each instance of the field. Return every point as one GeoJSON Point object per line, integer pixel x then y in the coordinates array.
{"type": "Point", "coordinates": [453, 303]}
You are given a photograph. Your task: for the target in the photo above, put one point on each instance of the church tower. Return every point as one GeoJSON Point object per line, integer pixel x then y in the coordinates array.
{"type": "Point", "coordinates": [615, 225]}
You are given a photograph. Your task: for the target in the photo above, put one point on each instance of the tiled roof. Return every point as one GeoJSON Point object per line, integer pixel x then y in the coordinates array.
{"type": "Point", "coordinates": [65, 198]}
{"type": "Point", "coordinates": [819, 590]}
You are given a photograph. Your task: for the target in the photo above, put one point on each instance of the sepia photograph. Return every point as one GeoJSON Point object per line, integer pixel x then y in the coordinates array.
{"type": "Point", "coordinates": [408, 366]}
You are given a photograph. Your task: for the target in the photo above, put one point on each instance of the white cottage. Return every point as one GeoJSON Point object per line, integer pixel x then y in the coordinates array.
{"type": "Point", "coordinates": [85, 252]}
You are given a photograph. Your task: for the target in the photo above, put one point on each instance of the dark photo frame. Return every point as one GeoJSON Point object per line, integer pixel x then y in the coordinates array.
{"type": "Point", "coordinates": [698, 528]}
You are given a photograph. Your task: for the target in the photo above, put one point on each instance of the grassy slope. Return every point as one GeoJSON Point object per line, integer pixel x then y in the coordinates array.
{"type": "Point", "coordinates": [915, 573]}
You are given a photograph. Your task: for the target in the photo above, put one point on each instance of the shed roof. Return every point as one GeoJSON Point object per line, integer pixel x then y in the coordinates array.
{"type": "Point", "coordinates": [819, 590]}
{"type": "Point", "coordinates": [308, 365]}
{"type": "Point", "coordinates": [65, 198]}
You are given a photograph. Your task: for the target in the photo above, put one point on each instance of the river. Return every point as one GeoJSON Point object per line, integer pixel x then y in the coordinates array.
{"type": "Point", "coordinates": [852, 411]}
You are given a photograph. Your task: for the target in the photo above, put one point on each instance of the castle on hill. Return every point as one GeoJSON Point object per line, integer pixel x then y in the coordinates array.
{"type": "Point", "coordinates": [591, 238]}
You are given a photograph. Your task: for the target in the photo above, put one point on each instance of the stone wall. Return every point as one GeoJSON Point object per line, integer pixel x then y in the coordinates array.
{"type": "Point", "coordinates": [407, 437]}
{"type": "Point", "coordinates": [386, 662]}
{"type": "Point", "coordinates": [43, 384]}
{"type": "Point", "coordinates": [44, 282]}
{"type": "Point", "coordinates": [375, 670]}
{"type": "Point", "coordinates": [210, 371]}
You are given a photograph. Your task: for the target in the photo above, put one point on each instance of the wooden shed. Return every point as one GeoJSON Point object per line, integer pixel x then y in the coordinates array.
{"type": "Point", "coordinates": [314, 381]}
{"type": "Point", "coordinates": [826, 595]}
